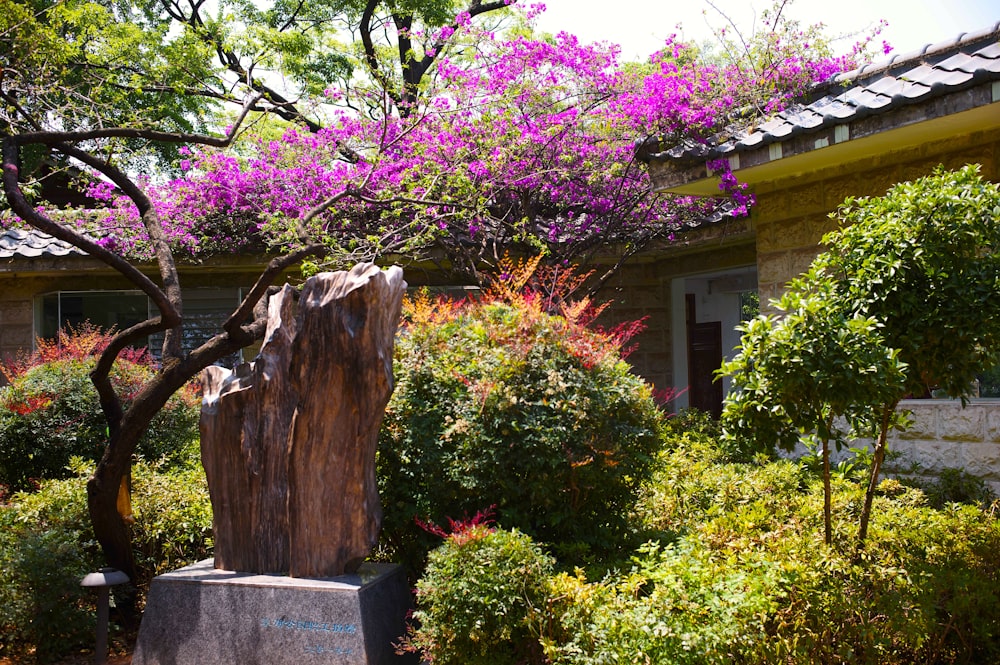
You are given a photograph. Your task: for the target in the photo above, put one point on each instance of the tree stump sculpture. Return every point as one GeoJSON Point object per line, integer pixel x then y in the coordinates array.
{"type": "Point", "coordinates": [288, 441]}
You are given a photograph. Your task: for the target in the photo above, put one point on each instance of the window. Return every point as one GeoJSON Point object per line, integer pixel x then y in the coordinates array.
{"type": "Point", "coordinates": [989, 383]}
{"type": "Point", "coordinates": [105, 309]}
{"type": "Point", "coordinates": [205, 310]}
{"type": "Point", "coordinates": [749, 305]}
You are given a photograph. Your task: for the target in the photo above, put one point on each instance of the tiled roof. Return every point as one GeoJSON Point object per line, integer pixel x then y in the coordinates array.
{"type": "Point", "coordinates": [933, 71]}
{"type": "Point", "coordinates": [31, 243]}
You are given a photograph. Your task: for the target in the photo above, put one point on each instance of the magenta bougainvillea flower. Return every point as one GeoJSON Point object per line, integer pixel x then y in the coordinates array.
{"type": "Point", "coordinates": [528, 143]}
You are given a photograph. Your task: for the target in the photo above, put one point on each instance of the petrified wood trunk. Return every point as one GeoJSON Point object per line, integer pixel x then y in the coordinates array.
{"type": "Point", "coordinates": [288, 441]}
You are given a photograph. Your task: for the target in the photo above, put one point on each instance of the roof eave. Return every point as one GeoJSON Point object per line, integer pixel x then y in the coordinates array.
{"type": "Point", "coordinates": [962, 112]}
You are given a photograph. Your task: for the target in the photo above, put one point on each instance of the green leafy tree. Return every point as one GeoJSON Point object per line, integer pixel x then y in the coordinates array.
{"type": "Point", "coordinates": [114, 86]}
{"type": "Point", "coordinates": [923, 260]}
{"type": "Point", "coordinates": [805, 371]}
{"type": "Point", "coordinates": [149, 59]}
{"type": "Point", "coordinates": [904, 300]}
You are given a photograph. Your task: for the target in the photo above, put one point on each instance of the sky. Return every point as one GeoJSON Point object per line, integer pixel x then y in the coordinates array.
{"type": "Point", "coordinates": [641, 26]}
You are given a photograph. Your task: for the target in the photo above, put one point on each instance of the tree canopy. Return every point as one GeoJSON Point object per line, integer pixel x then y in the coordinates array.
{"type": "Point", "coordinates": [521, 142]}
{"type": "Point", "coordinates": [903, 302]}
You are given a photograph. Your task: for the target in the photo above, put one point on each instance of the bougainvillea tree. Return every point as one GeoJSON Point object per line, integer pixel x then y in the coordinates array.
{"type": "Point", "coordinates": [525, 145]}
{"type": "Point", "coordinates": [461, 146]}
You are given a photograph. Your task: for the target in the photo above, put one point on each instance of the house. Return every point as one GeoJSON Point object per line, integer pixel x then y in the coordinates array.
{"type": "Point", "coordinates": [885, 123]}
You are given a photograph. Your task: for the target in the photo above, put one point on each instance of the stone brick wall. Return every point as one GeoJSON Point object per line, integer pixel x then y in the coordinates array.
{"type": "Point", "coordinates": [946, 435]}
{"type": "Point", "coordinates": [15, 325]}
{"type": "Point", "coordinates": [639, 292]}
{"type": "Point", "coordinates": [943, 435]}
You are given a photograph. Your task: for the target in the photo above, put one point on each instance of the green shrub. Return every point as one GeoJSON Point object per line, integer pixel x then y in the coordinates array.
{"type": "Point", "coordinates": [956, 486]}
{"type": "Point", "coordinates": [694, 481]}
{"type": "Point", "coordinates": [45, 550]}
{"type": "Point", "coordinates": [677, 605]}
{"type": "Point", "coordinates": [173, 525]}
{"type": "Point", "coordinates": [46, 547]}
{"type": "Point", "coordinates": [480, 597]}
{"type": "Point", "coordinates": [748, 557]}
{"type": "Point", "coordinates": [500, 404]}
{"type": "Point", "coordinates": [692, 422]}
{"type": "Point", "coordinates": [50, 411]}
{"type": "Point", "coordinates": [757, 586]}
{"type": "Point", "coordinates": [744, 577]}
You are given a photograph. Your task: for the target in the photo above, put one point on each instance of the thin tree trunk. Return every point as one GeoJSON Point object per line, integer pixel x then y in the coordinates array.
{"type": "Point", "coordinates": [877, 460]}
{"type": "Point", "coordinates": [827, 492]}
{"type": "Point", "coordinates": [112, 531]}
{"type": "Point", "coordinates": [110, 528]}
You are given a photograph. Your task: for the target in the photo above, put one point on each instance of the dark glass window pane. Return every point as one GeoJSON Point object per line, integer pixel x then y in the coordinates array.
{"type": "Point", "coordinates": [205, 310]}
{"type": "Point", "coordinates": [105, 309]}
{"type": "Point", "coordinates": [989, 383]}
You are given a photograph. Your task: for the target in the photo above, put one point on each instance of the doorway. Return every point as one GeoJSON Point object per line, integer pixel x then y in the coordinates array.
{"type": "Point", "coordinates": [707, 308]}
{"type": "Point", "coordinates": [704, 353]}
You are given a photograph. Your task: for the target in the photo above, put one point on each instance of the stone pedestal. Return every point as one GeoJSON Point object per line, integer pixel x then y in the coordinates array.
{"type": "Point", "coordinates": [202, 616]}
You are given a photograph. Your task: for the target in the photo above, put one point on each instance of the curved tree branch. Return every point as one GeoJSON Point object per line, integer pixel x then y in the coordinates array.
{"type": "Point", "coordinates": [274, 268]}
{"type": "Point", "coordinates": [415, 70]}
{"type": "Point", "coordinates": [110, 403]}
{"type": "Point", "coordinates": [283, 107]}
{"type": "Point", "coordinates": [371, 57]}
{"type": "Point", "coordinates": [19, 204]}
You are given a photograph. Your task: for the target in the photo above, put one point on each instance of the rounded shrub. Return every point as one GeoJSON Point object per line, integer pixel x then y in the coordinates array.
{"type": "Point", "coordinates": [482, 593]}
{"type": "Point", "coordinates": [499, 404]}
{"type": "Point", "coordinates": [50, 412]}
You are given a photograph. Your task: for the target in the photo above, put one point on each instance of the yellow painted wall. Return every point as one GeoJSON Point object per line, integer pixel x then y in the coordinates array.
{"type": "Point", "coordinates": [792, 214]}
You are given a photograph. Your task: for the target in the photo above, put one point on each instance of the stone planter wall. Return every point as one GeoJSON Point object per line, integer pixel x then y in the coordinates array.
{"type": "Point", "coordinates": [945, 435]}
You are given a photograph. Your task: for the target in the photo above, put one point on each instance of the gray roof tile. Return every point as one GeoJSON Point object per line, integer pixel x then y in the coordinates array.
{"type": "Point", "coordinates": [801, 116]}
{"type": "Point", "coordinates": [992, 51]}
{"type": "Point", "coordinates": [932, 71]}
{"type": "Point", "coordinates": [752, 140]}
{"type": "Point", "coordinates": [911, 90]}
{"type": "Point", "coordinates": [32, 243]}
{"type": "Point", "coordinates": [990, 65]}
{"type": "Point", "coordinates": [836, 110]}
{"type": "Point", "coordinates": [887, 85]}
{"type": "Point", "coordinates": [783, 130]}
{"type": "Point", "coordinates": [921, 74]}
{"type": "Point", "coordinates": [773, 124]}
{"type": "Point", "coordinates": [961, 62]}
{"type": "Point", "coordinates": [952, 79]}
{"type": "Point", "coordinates": [863, 97]}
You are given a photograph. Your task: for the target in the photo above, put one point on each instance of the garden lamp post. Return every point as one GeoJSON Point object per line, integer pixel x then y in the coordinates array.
{"type": "Point", "coordinates": [103, 580]}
